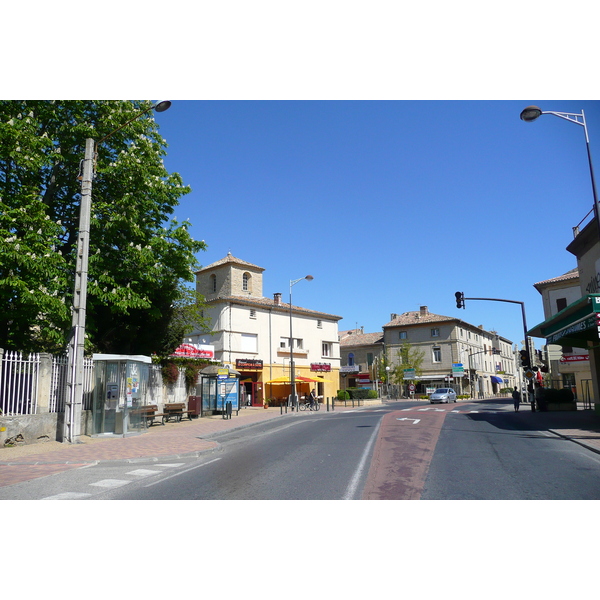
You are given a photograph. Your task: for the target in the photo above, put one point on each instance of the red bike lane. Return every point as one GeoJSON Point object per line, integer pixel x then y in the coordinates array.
{"type": "Point", "coordinates": [403, 452]}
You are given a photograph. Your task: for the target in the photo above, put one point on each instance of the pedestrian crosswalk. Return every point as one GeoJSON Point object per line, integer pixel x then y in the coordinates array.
{"type": "Point", "coordinates": [109, 483]}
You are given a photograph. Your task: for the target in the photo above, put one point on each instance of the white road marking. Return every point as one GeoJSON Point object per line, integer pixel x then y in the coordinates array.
{"type": "Point", "coordinates": [415, 421]}
{"type": "Point", "coordinates": [143, 472]}
{"type": "Point", "coordinates": [351, 489]}
{"type": "Point", "coordinates": [184, 471]}
{"type": "Point", "coordinates": [67, 496]}
{"type": "Point", "coordinates": [110, 483]}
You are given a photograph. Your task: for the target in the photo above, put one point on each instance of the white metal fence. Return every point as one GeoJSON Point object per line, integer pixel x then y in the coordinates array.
{"type": "Point", "coordinates": [59, 382]}
{"type": "Point", "coordinates": [19, 376]}
{"type": "Point", "coordinates": [20, 384]}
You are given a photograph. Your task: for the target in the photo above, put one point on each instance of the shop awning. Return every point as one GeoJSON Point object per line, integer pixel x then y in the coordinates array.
{"type": "Point", "coordinates": [496, 379]}
{"type": "Point", "coordinates": [575, 325]}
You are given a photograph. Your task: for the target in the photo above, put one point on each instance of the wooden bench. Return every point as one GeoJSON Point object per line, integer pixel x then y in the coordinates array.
{"type": "Point", "coordinates": [148, 413]}
{"type": "Point", "coordinates": [175, 410]}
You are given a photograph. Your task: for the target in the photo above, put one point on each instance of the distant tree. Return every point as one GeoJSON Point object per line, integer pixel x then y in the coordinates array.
{"type": "Point", "coordinates": [409, 358]}
{"type": "Point", "coordinates": [139, 254]}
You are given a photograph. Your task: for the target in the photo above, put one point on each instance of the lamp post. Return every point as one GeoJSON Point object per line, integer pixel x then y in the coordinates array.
{"type": "Point", "coordinates": [74, 389]}
{"type": "Point", "coordinates": [294, 399]}
{"type": "Point", "coordinates": [531, 113]}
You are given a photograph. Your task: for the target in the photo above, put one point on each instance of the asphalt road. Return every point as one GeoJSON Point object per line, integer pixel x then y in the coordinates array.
{"type": "Point", "coordinates": [314, 457]}
{"type": "Point", "coordinates": [399, 451]}
{"type": "Point", "coordinates": [492, 455]}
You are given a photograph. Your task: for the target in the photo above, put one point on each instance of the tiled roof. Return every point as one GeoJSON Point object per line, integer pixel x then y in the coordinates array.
{"type": "Point", "coordinates": [230, 259]}
{"type": "Point", "coordinates": [360, 339]}
{"type": "Point", "coordinates": [416, 317]}
{"type": "Point", "coordinates": [569, 275]}
{"type": "Point", "coordinates": [270, 303]}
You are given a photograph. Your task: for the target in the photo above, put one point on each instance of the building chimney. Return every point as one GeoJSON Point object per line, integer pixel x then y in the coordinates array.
{"type": "Point", "coordinates": [424, 311]}
{"type": "Point", "coordinates": [393, 316]}
{"type": "Point", "coordinates": [277, 298]}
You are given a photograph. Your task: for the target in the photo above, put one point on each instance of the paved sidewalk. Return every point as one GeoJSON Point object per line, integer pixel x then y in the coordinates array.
{"type": "Point", "coordinates": [22, 463]}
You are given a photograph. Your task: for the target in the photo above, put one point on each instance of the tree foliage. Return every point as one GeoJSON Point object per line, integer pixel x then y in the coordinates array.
{"type": "Point", "coordinates": [138, 254]}
{"type": "Point", "coordinates": [409, 358]}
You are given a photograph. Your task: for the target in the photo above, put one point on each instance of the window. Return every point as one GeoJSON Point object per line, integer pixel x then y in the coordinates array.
{"type": "Point", "coordinates": [319, 324]}
{"type": "Point", "coordinates": [403, 335]}
{"type": "Point", "coordinates": [437, 354]}
{"type": "Point", "coordinates": [284, 342]}
{"type": "Point", "coordinates": [213, 283]}
{"type": "Point", "coordinates": [435, 332]}
{"type": "Point", "coordinates": [351, 359]}
{"type": "Point", "coordinates": [252, 313]}
{"type": "Point", "coordinates": [561, 303]}
{"type": "Point", "coordinates": [246, 282]}
{"type": "Point", "coordinates": [369, 358]}
{"type": "Point", "coordinates": [249, 342]}
{"type": "Point", "coordinates": [326, 349]}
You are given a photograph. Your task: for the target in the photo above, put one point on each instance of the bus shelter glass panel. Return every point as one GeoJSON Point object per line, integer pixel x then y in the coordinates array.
{"type": "Point", "coordinates": [120, 390]}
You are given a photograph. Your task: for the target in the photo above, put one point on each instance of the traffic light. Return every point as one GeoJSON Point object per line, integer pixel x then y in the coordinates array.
{"type": "Point", "coordinates": [523, 354]}
{"type": "Point", "coordinates": [460, 299]}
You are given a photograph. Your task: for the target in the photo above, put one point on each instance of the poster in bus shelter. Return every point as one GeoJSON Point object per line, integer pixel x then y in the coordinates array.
{"type": "Point", "coordinates": [227, 391]}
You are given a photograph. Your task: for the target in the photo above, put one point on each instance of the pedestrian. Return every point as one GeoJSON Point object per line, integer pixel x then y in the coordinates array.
{"type": "Point", "coordinates": [516, 398]}
{"type": "Point", "coordinates": [312, 398]}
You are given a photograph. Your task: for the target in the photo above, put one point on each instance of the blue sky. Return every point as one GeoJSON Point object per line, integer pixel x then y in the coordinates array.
{"type": "Point", "coordinates": [390, 205]}
{"type": "Point", "coordinates": [377, 147]}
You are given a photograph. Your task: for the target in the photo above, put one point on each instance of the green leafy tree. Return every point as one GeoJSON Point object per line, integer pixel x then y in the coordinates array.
{"type": "Point", "coordinates": [138, 254]}
{"type": "Point", "coordinates": [409, 358]}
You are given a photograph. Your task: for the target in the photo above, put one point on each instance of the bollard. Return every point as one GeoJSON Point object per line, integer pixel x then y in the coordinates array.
{"type": "Point", "coordinates": [327, 403]}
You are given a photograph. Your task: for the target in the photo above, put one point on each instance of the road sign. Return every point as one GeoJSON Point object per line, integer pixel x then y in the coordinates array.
{"type": "Point", "coordinates": [529, 374]}
{"type": "Point", "coordinates": [412, 387]}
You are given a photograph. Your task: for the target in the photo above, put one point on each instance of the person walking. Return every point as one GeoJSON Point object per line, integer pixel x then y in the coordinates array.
{"type": "Point", "coordinates": [312, 399]}
{"type": "Point", "coordinates": [516, 398]}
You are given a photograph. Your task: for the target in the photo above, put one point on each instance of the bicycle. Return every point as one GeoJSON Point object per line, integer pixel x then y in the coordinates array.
{"type": "Point", "coordinates": [308, 406]}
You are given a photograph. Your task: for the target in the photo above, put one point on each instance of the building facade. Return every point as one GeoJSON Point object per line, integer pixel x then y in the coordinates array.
{"type": "Point", "coordinates": [451, 347]}
{"type": "Point", "coordinates": [251, 334]}
{"type": "Point", "coordinates": [577, 325]}
{"type": "Point", "coordinates": [572, 369]}
{"type": "Point", "coordinates": [360, 354]}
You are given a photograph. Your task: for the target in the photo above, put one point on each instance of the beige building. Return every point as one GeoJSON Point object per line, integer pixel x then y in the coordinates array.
{"type": "Point", "coordinates": [572, 370]}
{"type": "Point", "coordinates": [360, 354]}
{"type": "Point", "coordinates": [488, 360]}
{"type": "Point", "coordinates": [251, 334]}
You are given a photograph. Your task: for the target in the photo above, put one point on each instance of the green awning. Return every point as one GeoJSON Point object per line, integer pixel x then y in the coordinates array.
{"type": "Point", "coordinates": [575, 325]}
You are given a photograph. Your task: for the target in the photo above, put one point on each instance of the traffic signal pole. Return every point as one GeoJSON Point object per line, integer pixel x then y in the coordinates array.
{"type": "Point", "coordinates": [460, 303]}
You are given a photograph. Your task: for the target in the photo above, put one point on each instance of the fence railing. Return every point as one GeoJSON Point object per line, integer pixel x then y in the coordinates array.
{"type": "Point", "coordinates": [59, 383]}
{"type": "Point", "coordinates": [36, 383]}
{"type": "Point", "coordinates": [19, 376]}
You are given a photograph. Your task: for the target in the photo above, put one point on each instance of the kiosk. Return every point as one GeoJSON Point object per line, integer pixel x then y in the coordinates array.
{"type": "Point", "coordinates": [120, 387]}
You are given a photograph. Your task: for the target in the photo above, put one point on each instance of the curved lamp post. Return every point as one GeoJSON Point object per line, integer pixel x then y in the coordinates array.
{"type": "Point", "coordinates": [531, 113]}
{"type": "Point", "coordinates": [74, 389]}
{"type": "Point", "coordinates": [294, 399]}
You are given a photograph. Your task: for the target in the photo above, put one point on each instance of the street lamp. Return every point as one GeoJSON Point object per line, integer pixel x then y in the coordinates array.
{"type": "Point", "coordinates": [74, 389]}
{"type": "Point", "coordinates": [531, 113]}
{"type": "Point", "coordinates": [294, 399]}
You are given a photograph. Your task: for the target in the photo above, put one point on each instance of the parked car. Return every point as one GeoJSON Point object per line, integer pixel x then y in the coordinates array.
{"type": "Point", "coordinates": [443, 395]}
